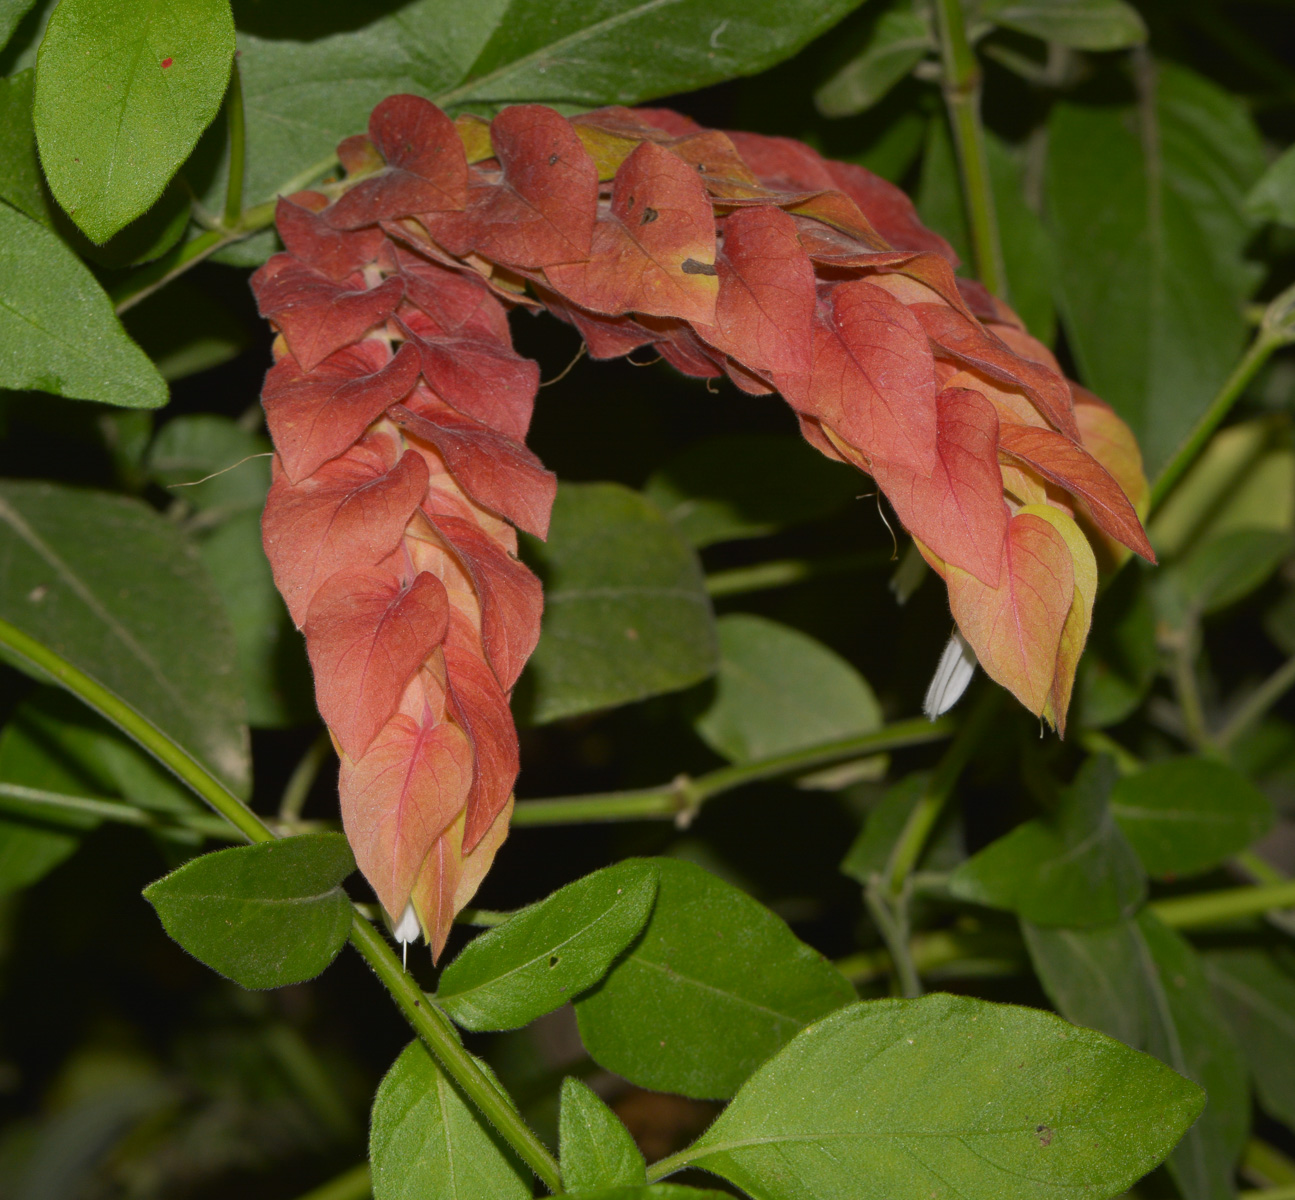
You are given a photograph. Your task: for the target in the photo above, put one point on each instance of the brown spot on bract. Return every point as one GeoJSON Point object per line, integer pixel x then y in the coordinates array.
{"type": "Point", "coordinates": [690, 266]}
{"type": "Point", "coordinates": [649, 215]}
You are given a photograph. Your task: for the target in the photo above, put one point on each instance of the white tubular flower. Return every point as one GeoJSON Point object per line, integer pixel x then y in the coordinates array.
{"type": "Point", "coordinates": [407, 930]}
{"type": "Point", "coordinates": [957, 666]}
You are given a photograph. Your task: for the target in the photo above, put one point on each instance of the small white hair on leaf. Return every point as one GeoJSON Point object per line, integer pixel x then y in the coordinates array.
{"type": "Point", "coordinates": [956, 667]}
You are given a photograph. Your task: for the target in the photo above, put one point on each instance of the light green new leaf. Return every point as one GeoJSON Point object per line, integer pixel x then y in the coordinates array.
{"type": "Point", "coordinates": [715, 984]}
{"type": "Point", "coordinates": [1273, 197]}
{"type": "Point", "coordinates": [58, 332]}
{"type": "Point", "coordinates": [116, 590]}
{"type": "Point", "coordinates": [596, 1151]}
{"type": "Point", "coordinates": [1082, 24]}
{"type": "Point", "coordinates": [780, 690]}
{"type": "Point", "coordinates": [902, 1099]}
{"type": "Point", "coordinates": [900, 41]}
{"type": "Point", "coordinates": [626, 613]}
{"type": "Point", "coordinates": [1186, 815]}
{"type": "Point", "coordinates": [264, 916]}
{"type": "Point", "coordinates": [1072, 867]}
{"type": "Point", "coordinates": [1257, 995]}
{"type": "Point", "coordinates": [737, 486]}
{"type": "Point", "coordinates": [1142, 983]}
{"type": "Point", "coordinates": [426, 1141]}
{"type": "Point", "coordinates": [123, 90]}
{"type": "Point", "coordinates": [547, 954]}
{"type": "Point", "coordinates": [1150, 230]}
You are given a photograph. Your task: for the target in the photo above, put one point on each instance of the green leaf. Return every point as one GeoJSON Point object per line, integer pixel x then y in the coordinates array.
{"type": "Point", "coordinates": [1186, 815]}
{"type": "Point", "coordinates": [1027, 249]}
{"type": "Point", "coordinates": [119, 592]}
{"type": "Point", "coordinates": [899, 42]}
{"type": "Point", "coordinates": [184, 330]}
{"type": "Point", "coordinates": [780, 690]}
{"type": "Point", "coordinates": [425, 1140]}
{"type": "Point", "coordinates": [594, 1148]}
{"type": "Point", "coordinates": [715, 984]}
{"type": "Point", "coordinates": [1142, 983]}
{"type": "Point", "coordinates": [1257, 995]}
{"type": "Point", "coordinates": [1220, 572]}
{"type": "Point", "coordinates": [547, 954]}
{"type": "Point", "coordinates": [310, 80]}
{"type": "Point", "coordinates": [657, 1191]}
{"type": "Point", "coordinates": [58, 332]}
{"type": "Point", "coordinates": [11, 13]}
{"type": "Point", "coordinates": [1150, 229]}
{"type": "Point", "coordinates": [123, 90]}
{"type": "Point", "coordinates": [211, 463]}
{"type": "Point", "coordinates": [747, 485]}
{"type": "Point", "coordinates": [20, 175]}
{"type": "Point", "coordinates": [900, 1099]}
{"type": "Point", "coordinates": [870, 852]}
{"type": "Point", "coordinates": [626, 613]}
{"type": "Point", "coordinates": [1072, 867]}
{"type": "Point", "coordinates": [264, 916]}
{"type": "Point", "coordinates": [1121, 659]}
{"type": "Point", "coordinates": [1273, 197]}
{"type": "Point", "coordinates": [271, 652]}
{"type": "Point", "coordinates": [1081, 24]}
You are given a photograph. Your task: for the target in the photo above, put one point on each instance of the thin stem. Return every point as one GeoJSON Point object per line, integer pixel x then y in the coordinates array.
{"type": "Point", "coordinates": [978, 954]}
{"type": "Point", "coordinates": [237, 147]}
{"type": "Point", "coordinates": [1257, 703]}
{"type": "Point", "coordinates": [1266, 1164]}
{"type": "Point", "coordinates": [668, 1166]}
{"type": "Point", "coordinates": [355, 1184]}
{"type": "Point", "coordinates": [681, 799]}
{"type": "Point", "coordinates": [1266, 341]}
{"type": "Point", "coordinates": [1215, 908]}
{"type": "Point", "coordinates": [961, 84]}
{"type": "Point", "coordinates": [786, 572]}
{"type": "Point", "coordinates": [436, 1031]}
{"type": "Point", "coordinates": [303, 777]}
{"type": "Point", "coordinates": [1187, 689]}
{"type": "Point", "coordinates": [141, 729]}
{"type": "Point", "coordinates": [912, 839]}
{"type": "Point", "coordinates": [890, 915]}
{"type": "Point", "coordinates": [57, 806]}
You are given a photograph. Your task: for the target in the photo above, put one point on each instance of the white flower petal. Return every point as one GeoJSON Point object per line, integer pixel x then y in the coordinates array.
{"type": "Point", "coordinates": [957, 666]}
{"type": "Point", "coordinates": [407, 928]}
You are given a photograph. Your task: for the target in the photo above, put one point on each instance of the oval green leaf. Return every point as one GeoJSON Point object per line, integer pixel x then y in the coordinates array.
{"type": "Point", "coordinates": [117, 591]}
{"type": "Point", "coordinates": [547, 954]}
{"type": "Point", "coordinates": [426, 1141]}
{"type": "Point", "coordinates": [715, 985]}
{"type": "Point", "coordinates": [58, 332]}
{"type": "Point", "coordinates": [264, 916]}
{"type": "Point", "coordinates": [596, 1151]}
{"type": "Point", "coordinates": [123, 90]}
{"type": "Point", "coordinates": [899, 1099]}
{"type": "Point", "coordinates": [626, 615]}
{"type": "Point", "coordinates": [1080, 24]}
{"type": "Point", "coordinates": [1186, 815]}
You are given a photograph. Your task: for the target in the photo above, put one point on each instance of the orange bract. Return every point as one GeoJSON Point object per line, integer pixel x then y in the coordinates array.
{"type": "Point", "coordinates": [399, 409]}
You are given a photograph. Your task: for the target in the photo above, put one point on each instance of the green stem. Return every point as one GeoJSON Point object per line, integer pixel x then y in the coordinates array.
{"type": "Point", "coordinates": [1257, 703]}
{"type": "Point", "coordinates": [430, 1025]}
{"type": "Point", "coordinates": [1187, 689]}
{"type": "Point", "coordinates": [926, 812]}
{"type": "Point", "coordinates": [962, 98]}
{"type": "Point", "coordinates": [436, 1031]}
{"type": "Point", "coordinates": [890, 915]}
{"type": "Point", "coordinates": [978, 954]}
{"type": "Point", "coordinates": [42, 805]}
{"type": "Point", "coordinates": [142, 730]}
{"type": "Point", "coordinates": [1258, 353]}
{"type": "Point", "coordinates": [681, 799]}
{"type": "Point", "coordinates": [786, 572]}
{"type": "Point", "coordinates": [1280, 1193]}
{"type": "Point", "coordinates": [303, 777]}
{"type": "Point", "coordinates": [237, 147]}
{"type": "Point", "coordinates": [1231, 904]}
{"type": "Point", "coordinates": [355, 1184]}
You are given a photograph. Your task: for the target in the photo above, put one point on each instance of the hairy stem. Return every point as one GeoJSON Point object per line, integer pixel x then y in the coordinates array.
{"type": "Point", "coordinates": [237, 147]}
{"type": "Point", "coordinates": [1215, 908]}
{"type": "Point", "coordinates": [681, 799]}
{"type": "Point", "coordinates": [961, 83]}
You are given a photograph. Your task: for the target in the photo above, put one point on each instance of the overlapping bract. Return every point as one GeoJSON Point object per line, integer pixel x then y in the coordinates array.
{"type": "Point", "coordinates": [398, 410]}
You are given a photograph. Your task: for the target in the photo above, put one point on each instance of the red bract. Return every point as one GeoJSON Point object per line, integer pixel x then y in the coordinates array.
{"type": "Point", "coordinates": [398, 409]}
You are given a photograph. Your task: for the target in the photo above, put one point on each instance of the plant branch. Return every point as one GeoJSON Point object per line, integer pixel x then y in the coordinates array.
{"type": "Point", "coordinates": [785, 572]}
{"type": "Point", "coordinates": [890, 915]}
{"type": "Point", "coordinates": [961, 84]}
{"type": "Point", "coordinates": [237, 147]}
{"type": "Point", "coordinates": [355, 1184]}
{"type": "Point", "coordinates": [435, 1030]}
{"type": "Point", "coordinates": [59, 807]}
{"type": "Point", "coordinates": [971, 954]}
{"type": "Point", "coordinates": [1231, 904]}
{"type": "Point", "coordinates": [681, 800]}
{"type": "Point", "coordinates": [1258, 703]}
{"type": "Point", "coordinates": [303, 777]}
{"type": "Point", "coordinates": [1187, 689]}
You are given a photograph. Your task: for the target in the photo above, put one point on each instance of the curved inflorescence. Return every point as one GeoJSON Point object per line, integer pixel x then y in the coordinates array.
{"type": "Point", "coordinates": [399, 409]}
